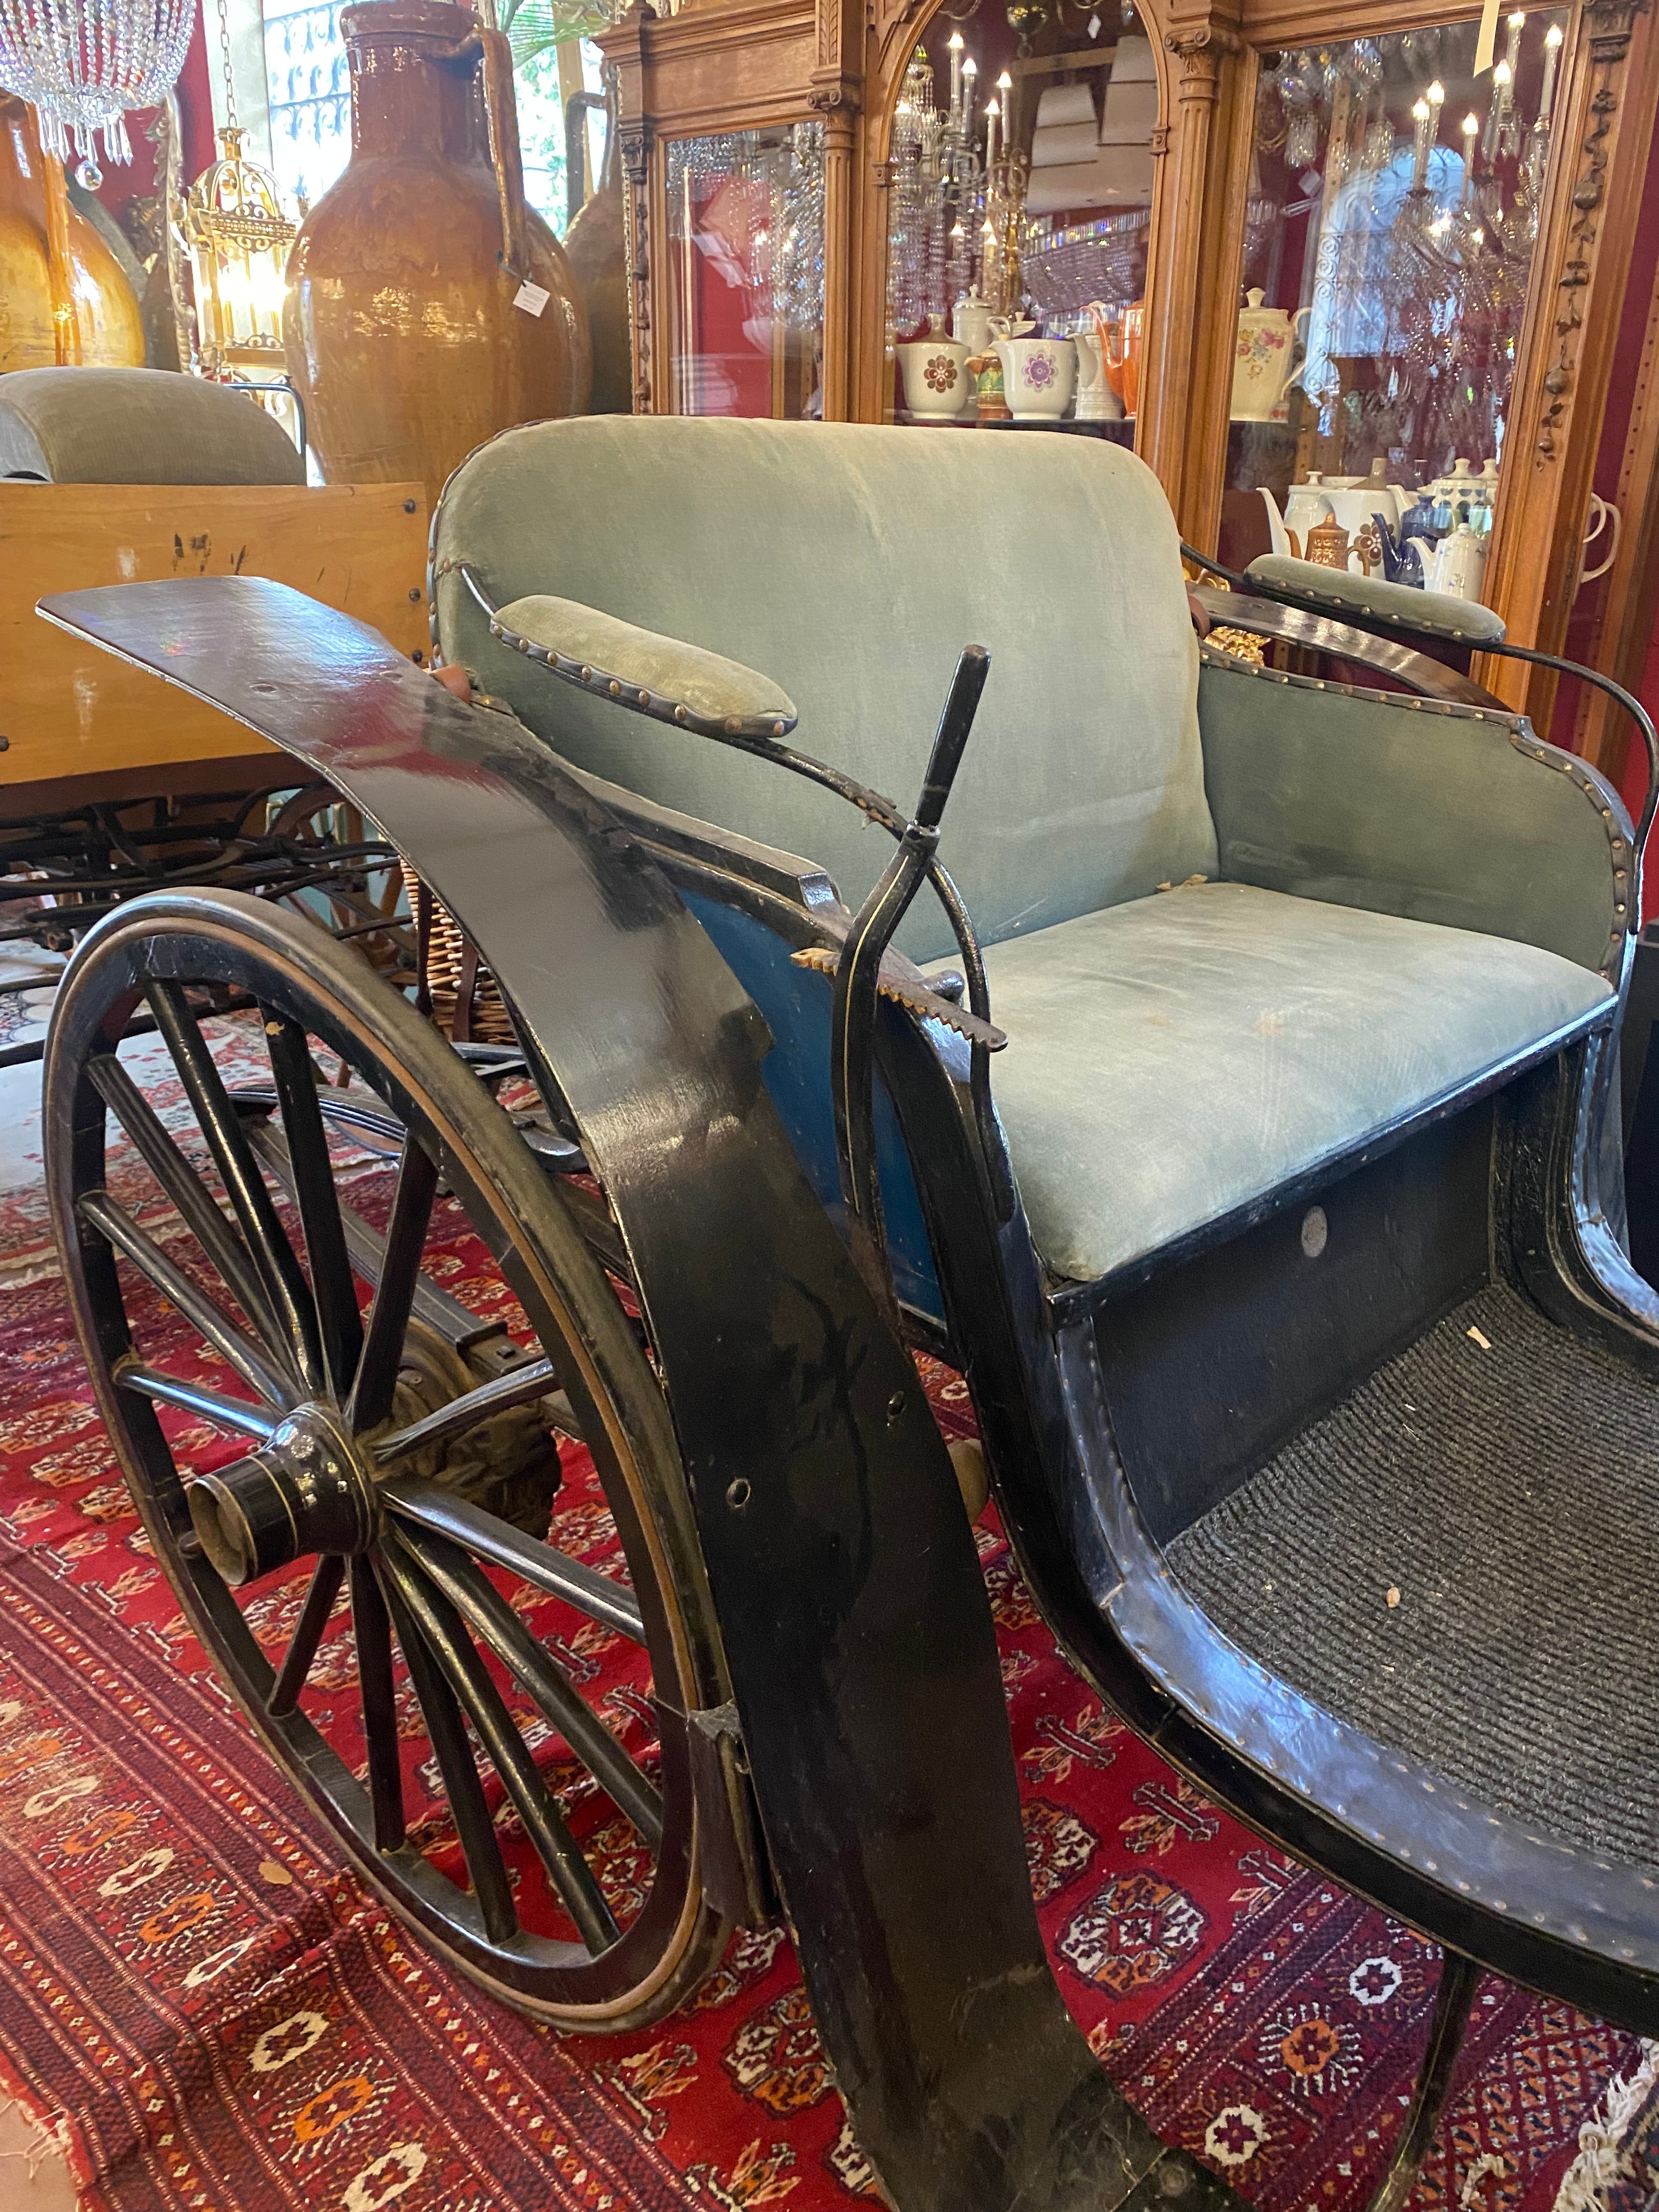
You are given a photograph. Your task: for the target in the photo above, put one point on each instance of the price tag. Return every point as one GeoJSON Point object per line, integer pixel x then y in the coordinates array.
{"type": "Point", "coordinates": [1485, 39]}
{"type": "Point", "coordinates": [533, 298]}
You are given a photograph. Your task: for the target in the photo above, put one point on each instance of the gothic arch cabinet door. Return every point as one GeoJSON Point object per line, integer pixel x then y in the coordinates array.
{"type": "Point", "coordinates": [1386, 286]}
{"type": "Point", "coordinates": [1010, 169]}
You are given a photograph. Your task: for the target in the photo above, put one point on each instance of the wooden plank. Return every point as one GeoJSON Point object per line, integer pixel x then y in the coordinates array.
{"type": "Point", "coordinates": [67, 710]}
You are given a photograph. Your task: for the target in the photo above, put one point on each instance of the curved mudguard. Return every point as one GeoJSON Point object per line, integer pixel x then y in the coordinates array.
{"type": "Point", "coordinates": [856, 1627]}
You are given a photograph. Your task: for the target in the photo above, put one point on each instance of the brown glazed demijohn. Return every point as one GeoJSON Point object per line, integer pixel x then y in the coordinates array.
{"type": "Point", "coordinates": [596, 246]}
{"type": "Point", "coordinates": [399, 325]}
{"type": "Point", "coordinates": [64, 299]}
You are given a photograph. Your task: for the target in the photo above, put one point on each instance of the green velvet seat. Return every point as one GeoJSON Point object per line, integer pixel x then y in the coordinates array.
{"type": "Point", "coordinates": [1406, 900]}
{"type": "Point", "coordinates": [1171, 1059]}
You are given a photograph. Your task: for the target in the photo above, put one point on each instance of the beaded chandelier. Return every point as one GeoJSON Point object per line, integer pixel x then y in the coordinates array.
{"type": "Point", "coordinates": [83, 64]}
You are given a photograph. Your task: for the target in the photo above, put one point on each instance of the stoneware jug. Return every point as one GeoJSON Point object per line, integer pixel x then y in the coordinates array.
{"type": "Point", "coordinates": [595, 246]}
{"type": "Point", "coordinates": [64, 300]}
{"type": "Point", "coordinates": [936, 378]}
{"type": "Point", "coordinates": [1266, 359]}
{"type": "Point", "coordinates": [1037, 376]}
{"type": "Point", "coordinates": [401, 328]}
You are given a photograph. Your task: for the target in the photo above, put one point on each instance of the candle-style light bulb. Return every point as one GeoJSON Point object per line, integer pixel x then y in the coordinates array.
{"type": "Point", "coordinates": [1503, 75]}
{"type": "Point", "coordinates": [1552, 55]}
{"type": "Point", "coordinates": [1420, 117]}
{"type": "Point", "coordinates": [1517, 23]}
{"type": "Point", "coordinates": [991, 112]}
{"type": "Point", "coordinates": [1471, 131]}
{"type": "Point", "coordinates": [1436, 96]}
{"type": "Point", "coordinates": [954, 43]}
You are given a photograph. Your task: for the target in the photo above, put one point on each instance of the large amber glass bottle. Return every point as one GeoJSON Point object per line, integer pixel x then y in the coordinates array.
{"type": "Point", "coordinates": [403, 324]}
{"type": "Point", "coordinates": [63, 299]}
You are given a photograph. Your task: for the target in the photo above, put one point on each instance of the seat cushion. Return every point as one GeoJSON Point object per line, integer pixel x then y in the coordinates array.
{"type": "Point", "coordinates": [1174, 1058]}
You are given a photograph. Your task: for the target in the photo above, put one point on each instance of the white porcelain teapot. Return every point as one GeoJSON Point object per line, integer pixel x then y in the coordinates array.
{"type": "Point", "coordinates": [1266, 359]}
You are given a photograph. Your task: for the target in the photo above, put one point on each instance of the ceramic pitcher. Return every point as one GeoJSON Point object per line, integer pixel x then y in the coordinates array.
{"type": "Point", "coordinates": [1459, 567]}
{"type": "Point", "coordinates": [936, 378]}
{"type": "Point", "coordinates": [1097, 402]}
{"type": "Point", "coordinates": [1266, 359]}
{"type": "Point", "coordinates": [402, 326]}
{"type": "Point", "coordinates": [1037, 376]}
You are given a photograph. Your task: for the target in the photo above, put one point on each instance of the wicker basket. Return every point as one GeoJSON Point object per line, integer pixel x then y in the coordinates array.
{"type": "Point", "coordinates": [453, 963]}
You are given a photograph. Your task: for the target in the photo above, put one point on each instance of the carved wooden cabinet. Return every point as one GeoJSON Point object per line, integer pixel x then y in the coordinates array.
{"type": "Point", "coordinates": [747, 122]}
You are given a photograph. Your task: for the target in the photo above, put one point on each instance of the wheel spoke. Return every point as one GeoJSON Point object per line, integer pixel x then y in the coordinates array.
{"type": "Point", "coordinates": [280, 1272]}
{"type": "Point", "coordinates": [518, 1388]}
{"type": "Point", "coordinates": [493, 1620]}
{"type": "Point", "coordinates": [372, 1630]}
{"type": "Point", "coordinates": [388, 1320]}
{"type": "Point", "coordinates": [331, 1281]}
{"type": "Point", "coordinates": [471, 1679]}
{"type": "Point", "coordinates": [457, 1324]}
{"type": "Point", "coordinates": [326, 1577]}
{"type": "Point", "coordinates": [447, 1731]}
{"type": "Point", "coordinates": [194, 1202]}
{"type": "Point", "coordinates": [547, 1569]}
{"type": "Point", "coordinates": [203, 1313]}
{"type": "Point", "coordinates": [235, 1414]}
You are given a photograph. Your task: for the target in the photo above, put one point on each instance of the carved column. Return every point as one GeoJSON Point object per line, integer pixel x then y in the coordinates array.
{"type": "Point", "coordinates": [624, 47]}
{"type": "Point", "coordinates": [1566, 353]}
{"type": "Point", "coordinates": [1182, 427]}
{"type": "Point", "coordinates": [837, 104]}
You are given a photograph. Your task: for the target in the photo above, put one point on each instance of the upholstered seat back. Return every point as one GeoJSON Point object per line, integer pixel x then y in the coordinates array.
{"type": "Point", "coordinates": [852, 564]}
{"type": "Point", "coordinates": [137, 426]}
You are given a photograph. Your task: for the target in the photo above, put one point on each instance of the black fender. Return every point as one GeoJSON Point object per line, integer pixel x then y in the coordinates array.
{"type": "Point", "coordinates": [857, 1631]}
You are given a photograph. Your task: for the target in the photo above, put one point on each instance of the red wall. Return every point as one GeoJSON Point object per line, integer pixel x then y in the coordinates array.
{"type": "Point", "coordinates": [122, 182]}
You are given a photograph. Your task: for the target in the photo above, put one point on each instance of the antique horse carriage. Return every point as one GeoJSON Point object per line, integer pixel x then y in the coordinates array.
{"type": "Point", "coordinates": [1234, 1114]}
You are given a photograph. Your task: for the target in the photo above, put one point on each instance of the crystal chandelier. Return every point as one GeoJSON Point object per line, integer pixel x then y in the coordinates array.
{"type": "Point", "coordinates": [83, 64]}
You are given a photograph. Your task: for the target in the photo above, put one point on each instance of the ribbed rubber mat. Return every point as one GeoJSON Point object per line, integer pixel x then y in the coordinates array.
{"type": "Point", "coordinates": [1508, 1494]}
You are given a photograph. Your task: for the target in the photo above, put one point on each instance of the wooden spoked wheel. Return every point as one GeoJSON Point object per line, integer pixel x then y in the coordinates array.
{"type": "Point", "coordinates": [351, 1414]}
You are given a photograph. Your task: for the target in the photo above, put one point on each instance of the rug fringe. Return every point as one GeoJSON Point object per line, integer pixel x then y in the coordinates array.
{"type": "Point", "coordinates": [1600, 2157]}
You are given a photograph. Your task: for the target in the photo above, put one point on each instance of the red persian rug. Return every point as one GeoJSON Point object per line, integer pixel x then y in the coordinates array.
{"type": "Point", "coordinates": [223, 2021]}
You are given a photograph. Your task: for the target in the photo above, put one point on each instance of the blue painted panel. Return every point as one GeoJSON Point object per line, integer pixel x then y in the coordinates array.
{"type": "Point", "coordinates": [796, 1005]}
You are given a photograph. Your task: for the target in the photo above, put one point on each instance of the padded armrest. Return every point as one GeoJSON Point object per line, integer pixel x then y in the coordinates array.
{"type": "Point", "coordinates": [637, 668]}
{"type": "Point", "coordinates": [1437, 614]}
{"type": "Point", "coordinates": [1442, 813]}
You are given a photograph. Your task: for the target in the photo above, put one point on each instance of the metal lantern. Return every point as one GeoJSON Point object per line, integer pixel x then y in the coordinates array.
{"type": "Point", "coordinates": [83, 64]}
{"type": "Point", "coordinates": [238, 241]}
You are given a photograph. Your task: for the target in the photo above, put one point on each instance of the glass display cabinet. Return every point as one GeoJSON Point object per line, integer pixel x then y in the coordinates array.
{"type": "Point", "coordinates": [744, 242]}
{"type": "Point", "coordinates": [1331, 273]}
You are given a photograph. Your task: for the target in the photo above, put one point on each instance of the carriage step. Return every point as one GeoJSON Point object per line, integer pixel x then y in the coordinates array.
{"type": "Point", "coordinates": [1459, 1559]}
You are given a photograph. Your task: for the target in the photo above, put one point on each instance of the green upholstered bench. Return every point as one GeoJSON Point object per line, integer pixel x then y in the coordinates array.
{"type": "Point", "coordinates": [1236, 926]}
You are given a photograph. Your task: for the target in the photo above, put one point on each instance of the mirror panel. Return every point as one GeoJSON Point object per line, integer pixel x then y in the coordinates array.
{"type": "Point", "coordinates": [1392, 215]}
{"type": "Point", "coordinates": [745, 234]}
{"type": "Point", "coordinates": [1019, 200]}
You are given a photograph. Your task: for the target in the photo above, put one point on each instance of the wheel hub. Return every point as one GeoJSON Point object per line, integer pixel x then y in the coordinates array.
{"type": "Point", "coordinates": [310, 1488]}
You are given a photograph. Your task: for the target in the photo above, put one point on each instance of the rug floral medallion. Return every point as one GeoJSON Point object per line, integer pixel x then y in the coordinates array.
{"type": "Point", "coordinates": [226, 2021]}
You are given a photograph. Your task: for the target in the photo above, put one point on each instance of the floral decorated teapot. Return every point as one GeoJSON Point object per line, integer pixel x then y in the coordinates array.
{"type": "Point", "coordinates": [1266, 359]}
